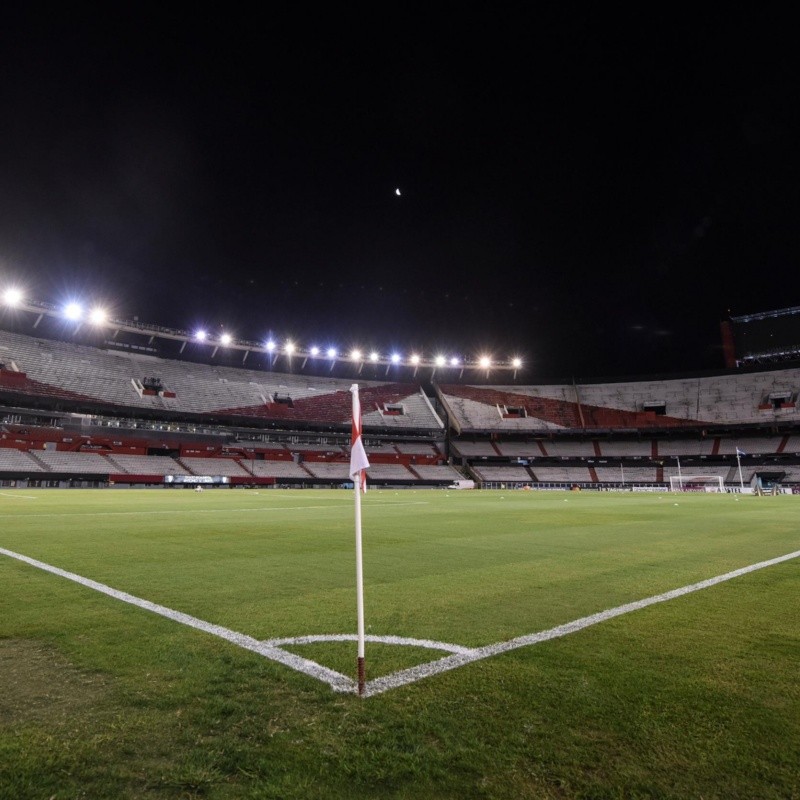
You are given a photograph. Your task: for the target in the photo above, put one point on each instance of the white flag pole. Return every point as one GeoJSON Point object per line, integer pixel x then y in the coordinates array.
{"type": "Point", "coordinates": [739, 462]}
{"type": "Point", "coordinates": [357, 462]}
{"type": "Point", "coordinates": [359, 592]}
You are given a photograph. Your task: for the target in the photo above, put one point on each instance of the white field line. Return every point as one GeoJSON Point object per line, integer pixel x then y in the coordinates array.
{"type": "Point", "coordinates": [460, 655]}
{"type": "Point", "coordinates": [337, 681]}
{"type": "Point", "coordinates": [192, 511]}
{"type": "Point", "coordinates": [428, 644]}
{"type": "Point", "coordinates": [421, 671]}
{"type": "Point", "coordinates": [18, 496]}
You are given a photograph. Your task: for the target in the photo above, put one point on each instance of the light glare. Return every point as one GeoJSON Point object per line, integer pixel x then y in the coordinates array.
{"type": "Point", "coordinates": [331, 352]}
{"type": "Point", "coordinates": [415, 359]}
{"type": "Point", "coordinates": [289, 348]}
{"type": "Point", "coordinates": [12, 297]}
{"type": "Point", "coordinates": [355, 355]}
{"type": "Point", "coordinates": [314, 351]}
{"type": "Point", "coordinates": [200, 335]}
{"type": "Point", "coordinates": [73, 311]}
{"type": "Point", "coordinates": [98, 316]}
{"type": "Point", "coordinates": [225, 339]}
{"type": "Point", "coordinates": [395, 358]}
{"type": "Point", "coordinates": [485, 362]}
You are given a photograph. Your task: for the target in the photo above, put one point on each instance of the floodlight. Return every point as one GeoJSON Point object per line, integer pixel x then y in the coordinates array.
{"type": "Point", "coordinates": [516, 363]}
{"type": "Point", "coordinates": [395, 358]}
{"type": "Point", "coordinates": [440, 361]}
{"type": "Point", "coordinates": [355, 355]}
{"type": "Point", "coordinates": [200, 335]}
{"type": "Point", "coordinates": [12, 297]}
{"type": "Point", "coordinates": [485, 362]}
{"type": "Point", "coordinates": [97, 316]}
{"type": "Point", "coordinates": [289, 348]}
{"type": "Point", "coordinates": [270, 345]}
{"type": "Point", "coordinates": [331, 352]}
{"type": "Point", "coordinates": [314, 351]}
{"type": "Point", "coordinates": [73, 311]}
{"type": "Point", "coordinates": [373, 356]}
{"type": "Point", "coordinates": [454, 362]}
{"type": "Point", "coordinates": [225, 339]}
{"type": "Point", "coordinates": [415, 359]}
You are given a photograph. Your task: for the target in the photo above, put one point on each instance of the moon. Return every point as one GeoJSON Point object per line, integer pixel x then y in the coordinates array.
{"type": "Point", "coordinates": [397, 192]}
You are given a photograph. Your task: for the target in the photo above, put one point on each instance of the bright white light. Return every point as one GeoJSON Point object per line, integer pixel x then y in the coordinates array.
{"type": "Point", "coordinates": [98, 316]}
{"type": "Point", "coordinates": [73, 311]}
{"type": "Point", "coordinates": [485, 362]}
{"type": "Point", "coordinates": [454, 362]}
{"type": "Point", "coordinates": [355, 355]}
{"type": "Point", "coordinates": [200, 335]}
{"type": "Point", "coordinates": [270, 345]}
{"type": "Point", "coordinates": [12, 297]}
{"type": "Point", "coordinates": [331, 352]}
{"type": "Point", "coordinates": [415, 359]}
{"type": "Point", "coordinates": [516, 363]}
{"type": "Point", "coordinates": [373, 356]}
{"type": "Point", "coordinates": [225, 339]}
{"type": "Point", "coordinates": [314, 351]}
{"type": "Point", "coordinates": [289, 348]}
{"type": "Point", "coordinates": [440, 361]}
{"type": "Point", "coordinates": [395, 358]}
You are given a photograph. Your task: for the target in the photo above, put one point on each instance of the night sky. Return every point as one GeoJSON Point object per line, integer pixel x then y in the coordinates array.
{"type": "Point", "coordinates": [592, 193]}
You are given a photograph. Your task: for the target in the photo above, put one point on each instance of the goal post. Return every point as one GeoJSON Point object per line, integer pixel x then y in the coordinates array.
{"type": "Point", "coordinates": [697, 483]}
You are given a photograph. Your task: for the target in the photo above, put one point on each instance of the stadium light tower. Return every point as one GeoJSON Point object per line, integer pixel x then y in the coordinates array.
{"type": "Point", "coordinates": [200, 335]}
{"type": "Point", "coordinates": [225, 339]}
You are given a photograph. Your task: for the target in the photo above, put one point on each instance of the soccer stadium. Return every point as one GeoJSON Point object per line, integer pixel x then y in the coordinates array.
{"type": "Point", "coordinates": [571, 589]}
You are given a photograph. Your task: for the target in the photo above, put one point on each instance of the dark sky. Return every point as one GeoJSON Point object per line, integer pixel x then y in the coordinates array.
{"type": "Point", "coordinates": [592, 192]}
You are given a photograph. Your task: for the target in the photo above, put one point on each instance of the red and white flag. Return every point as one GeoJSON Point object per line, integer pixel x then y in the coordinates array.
{"type": "Point", "coordinates": [358, 456]}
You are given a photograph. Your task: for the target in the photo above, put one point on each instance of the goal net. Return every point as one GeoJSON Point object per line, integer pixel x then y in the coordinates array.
{"type": "Point", "coordinates": [696, 483]}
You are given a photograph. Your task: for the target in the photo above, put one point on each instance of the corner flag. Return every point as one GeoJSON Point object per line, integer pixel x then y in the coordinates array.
{"type": "Point", "coordinates": [358, 465]}
{"type": "Point", "coordinates": [358, 455]}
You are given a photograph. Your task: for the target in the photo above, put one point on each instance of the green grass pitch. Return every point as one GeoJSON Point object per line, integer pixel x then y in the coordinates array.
{"type": "Point", "coordinates": [694, 697]}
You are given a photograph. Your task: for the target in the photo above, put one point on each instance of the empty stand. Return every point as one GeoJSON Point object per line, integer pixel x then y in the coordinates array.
{"type": "Point", "coordinates": [83, 463]}
{"type": "Point", "coordinates": [145, 465]}
{"type": "Point", "coordinates": [437, 473]}
{"type": "Point", "coordinates": [502, 474]}
{"type": "Point", "coordinates": [85, 374]}
{"type": "Point", "coordinates": [214, 466]}
{"type": "Point", "coordinates": [17, 461]}
{"type": "Point", "coordinates": [278, 469]}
